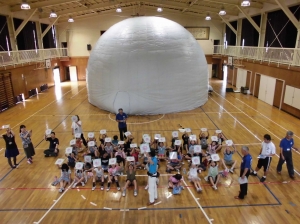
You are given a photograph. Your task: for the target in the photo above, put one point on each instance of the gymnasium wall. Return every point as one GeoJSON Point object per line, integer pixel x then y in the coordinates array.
{"type": "Point", "coordinates": [291, 76]}
{"type": "Point", "coordinates": [87, 31]}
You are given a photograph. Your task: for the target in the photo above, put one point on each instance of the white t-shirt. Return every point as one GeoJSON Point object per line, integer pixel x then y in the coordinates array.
{"type": "Point", "coordinates": [193, 172]}
{"type": "Point", "coordinates": [268, 148]}
{"type": "Point", "coordinates": [76, 127]}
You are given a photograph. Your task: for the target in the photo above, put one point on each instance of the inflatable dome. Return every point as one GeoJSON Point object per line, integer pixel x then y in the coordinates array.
{"type": "Point", "coordinates": [147, 65]}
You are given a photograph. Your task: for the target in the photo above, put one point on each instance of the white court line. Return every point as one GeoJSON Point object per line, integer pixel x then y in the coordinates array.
{"type": "Point", "coordinates": [259, 143]}
{"type": "Point", "coordinates": [57, 200]}
{"type": "Point", "coordinates": [246, 127]}
{"type": "Point", "coordinates": [78, 92]}
{"type": "Point", "coordinates": [146, 122]}
{"type": "Point", "coordinates": [141, 208]}
{"type": "Point", "coordinates": [266, 117]}
{"type": "Point", "coordinates": [92, 203]}
{"type": "Point", "coordinates": [157, 203]}
{"type": "Point", "coordinates": [1, 149]}
{"type": "Point", "coordinates": [197, 202]}
{"type": "Point", "coordinates": [107, 208]}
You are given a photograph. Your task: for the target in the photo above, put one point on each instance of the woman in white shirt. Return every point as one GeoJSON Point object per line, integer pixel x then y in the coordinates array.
{"type": "Point", "coordinates": [77, 128]}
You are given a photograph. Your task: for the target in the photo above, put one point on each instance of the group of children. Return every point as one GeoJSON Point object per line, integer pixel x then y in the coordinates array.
{"type": "Point", "coordinates": [174, 156]}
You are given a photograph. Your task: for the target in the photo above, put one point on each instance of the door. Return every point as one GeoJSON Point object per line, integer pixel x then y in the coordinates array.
{"type": "Point", "coordinates": [234, 76]}
{"type": "Point", "coordinates": [248, 79]}
{"type": "Point", "coordinates": [263, 88]}
{"type": "Point", "coordinates": [122, 100]}
{"type": "Point", "coordinates": [289, 94]}
{"type": "Point", "coordinates": [73, 73]}
{"type": "Point", "coordinates": [296, 98]}
{"type": "Point", "coordinates": [241, 78]}
{"type": "Point", "coordinates": [270, 89]}
{"type": "Point", "coordinates": [256, 85]}
{"type": "Point", "coordinates": [56, 75]}
{"type": "Point", "coordinates": [278, 93]}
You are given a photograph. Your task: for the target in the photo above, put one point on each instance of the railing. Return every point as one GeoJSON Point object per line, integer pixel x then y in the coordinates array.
{"type": "Point", "coordinates": [289, 56]}
{"type": "Point", "coordinates": [28, 56]}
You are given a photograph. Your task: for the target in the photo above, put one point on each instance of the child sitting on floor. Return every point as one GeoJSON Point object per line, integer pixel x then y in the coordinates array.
{"type": "Point", "coordinates": [114, 172]}
{"type": "Point", "coordinates": [193, 177]}
{"type": "Point", "coordinates": [130, 180]}
{"type": "Point", "coordinates": [98, 177]}
{"type": "Point", "coordinates": [227, 161]}
{"type": "Point", "coordinates": [65, 177]}
{"type": "Point", "coordinates": [213, 174]}
{"type": "Point", "coordinates": [175, 181]}
{"type": "Point", "coordinates": [79, 178]}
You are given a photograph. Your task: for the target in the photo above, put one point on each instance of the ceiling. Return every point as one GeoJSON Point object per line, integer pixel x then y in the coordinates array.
{"type": "Point", "coordinates": [87, 8]}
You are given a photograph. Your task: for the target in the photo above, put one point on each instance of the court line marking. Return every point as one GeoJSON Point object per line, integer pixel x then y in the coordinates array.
{"type": "Point", "coordinates": [267, 117]}
{"type": "Point", "coordinates": [78, 92]}
{"type": "Point", "coordinates": [197, 202]}
{"type": "Point", "coordinates": [239, 153]}
{"type": "Point", "coordinates": [57, 200]}
{"type": "Point", "coordinates": [146, 122]}
{"type": "Point", "coordinates": [257, 123]}
{"type": "Point", "coordinates": [248, 129]}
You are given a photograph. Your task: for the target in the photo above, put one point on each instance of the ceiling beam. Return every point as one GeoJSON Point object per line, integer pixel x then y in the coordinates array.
{"type": "Point", "coordinates": [25, 21]}
{"type": "Point", "coordinates": [228, 24]}
{"type": "Point", "coordinates": [49, 26]}
{"type": "Point", "coordinates": [257, 5]}
{"type": "Point", "coordinates": [41, 4]}
{"type": "Point", "coordinates": [288, 13]}
{"type": "Point", "coordinates": [191, 4]}
{"type": "Point", "coordinates": [249, 18]}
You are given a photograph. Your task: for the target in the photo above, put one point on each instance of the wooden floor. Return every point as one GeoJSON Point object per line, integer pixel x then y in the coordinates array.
{"type": "Point", "coordinates": [26, 194]}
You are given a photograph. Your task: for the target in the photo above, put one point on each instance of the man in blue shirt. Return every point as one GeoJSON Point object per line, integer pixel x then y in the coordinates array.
{"type": "Point", "coordinates": [245, 172]}
{"type": "Point", "coordinates": [121, 119]}
{"type": "Point", "coordinates": [286, 146]}
{"type": "Point", "coordinates": [152, 175]}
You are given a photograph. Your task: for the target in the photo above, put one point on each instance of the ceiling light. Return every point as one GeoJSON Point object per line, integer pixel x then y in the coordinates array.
{"type": "Point", "coordinates": [222, 12]}
{"type": "Point", "coordinates": [245, 3]}
{"type": "Point", "coordinates": [25, 5]}
{"type": "Point", "coordinates": [159, 9]}
{"type": "Point", "coordinates": [119, 9]}
{"type": "Point", "coordinates": [71, 20]}
{"type": "Point", "coordinates": [208, 17]}
{"type": "Point", "coordinates": [53, 14]}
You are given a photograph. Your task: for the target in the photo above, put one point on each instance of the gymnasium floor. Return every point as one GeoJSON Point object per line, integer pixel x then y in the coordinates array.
{"type": "Point", "coordinates": [26, 194]}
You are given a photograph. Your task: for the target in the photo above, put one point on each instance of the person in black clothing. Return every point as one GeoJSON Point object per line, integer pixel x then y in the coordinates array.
{"type": "Point", "coordinates": [53, 145]}
{"type": "Point", "coordinates": [185, 139]}
{"type": "Point", "coordinates": [104, 161]}
{"type": "Point", "coordinates": [11, 147]}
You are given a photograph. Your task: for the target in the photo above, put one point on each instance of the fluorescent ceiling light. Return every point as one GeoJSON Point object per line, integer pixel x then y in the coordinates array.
{"type": "Point", "coordinates": [159, 9]}
{"type": "Point", "coordinates": [208, 17]}
{"type": "Point", "coordinates": [53, 14]}
{"type": "Point", "coordinates": [25, 6]}
{"type": "Point", "coordinates": [222, 12]}
{"type": "Point", "coordinates": [71, 20]}
{"type": "Point", "coordinates": [119, 9]}
{"type": "Point", "coordinates": [245, 3]}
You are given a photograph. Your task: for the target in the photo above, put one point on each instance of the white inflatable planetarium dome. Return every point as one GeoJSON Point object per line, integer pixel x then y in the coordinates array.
{"type": "Point", "coordinates": [147, 65]}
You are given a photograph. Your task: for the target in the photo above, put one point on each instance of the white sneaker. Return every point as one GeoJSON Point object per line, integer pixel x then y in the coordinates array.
{"type": "Point", "coordinates": [215, 187]}
{"type": "Point", "coordinates": [101, 188]}
{"type": "Point", "coordinates": [124, 193]}
{"type": "Point", "coordinates": [182, 163]}
{"type": "Point", "coordinates": [182, 187]}
{"type": "Point", "coordinates": [93, 188]}
{"type": "Point", "coordinates": [146, 188]}
{"type": "Point", "coordinates": [135, 193]}
{"type": "Point", "coordinates": [74, 185]}
{"type": "Point", "coordinates": [107, 189]}
{"type": "Point", "coordinates": [105, 176]}
{"type": "Point", "coordinates": [82, 184]}
{"type": "Point", "coordinates": [61, 190]}
{"type": "Point", "coordinates": [206, 178]}
{"type": "Point", "coordinates": [118, 188]}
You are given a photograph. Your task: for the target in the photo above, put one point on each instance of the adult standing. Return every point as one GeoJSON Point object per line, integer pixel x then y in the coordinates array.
{"type": "Point", "coordinates": [121, 118]}
{"type": "Point", "coordinates": [244, 172]}
{"type": "Point", "coordinates": [286, 146]}
{"type": "Point", "coordinates": [53, 145]}
{"type": "Point", "coordinates": [152, 175]}
{"type": "Point", "coordinates": [266, 152]}
{"type": "Point", "coordinates": [11, 150]}
{"type": "Point", "coordinates": [27, 144]}
{"type": "Point", "coordinates": [77, 128]}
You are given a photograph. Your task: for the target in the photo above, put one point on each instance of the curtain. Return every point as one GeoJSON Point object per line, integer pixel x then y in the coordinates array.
{"type": "Point", "coordinates": [249, 33]}
{"type": "Point", "coordinates": [230, 35]}
{"type": "Point", "coordinates": [49, 40]}
{"type": "Point", "coordinates": [4, 35]}
{"type": "Point", "coordinates": [27, 38]}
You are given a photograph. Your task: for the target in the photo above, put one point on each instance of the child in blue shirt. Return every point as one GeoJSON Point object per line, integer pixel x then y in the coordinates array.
{"type": "Point", "coordinates": [228, 161]}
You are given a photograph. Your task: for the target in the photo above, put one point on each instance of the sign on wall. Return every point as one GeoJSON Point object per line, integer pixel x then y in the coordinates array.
{"type": "Point", "coordinates": [200, 33]}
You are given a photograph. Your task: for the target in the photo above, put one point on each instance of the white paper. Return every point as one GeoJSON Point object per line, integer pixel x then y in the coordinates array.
{"type": "Point", "coordinates": [87, 159]}
{"type": "Point", "coordinates": [112, 161]}
{"type": "Point", "coordinates": [173, 155]}
{"type": "Point", "coordinates": [175, 134]}
{"type": "Point", "coordinates": [214, 138]}
{"type": "Point", "coordinates": [188, 130]}
{"type": "Point", "coordinates": [74, 118]}
{"type": "Point", "coordinates": [243, 181]}
{"type": "Point", "coordinates": [130, 158]}
{"type": "Point", "coordinates": [261, 156]}
{"type": "Point", "coordinates": [69, 150]}
{"type": "Point", "coordinates": [157, 136]}
{"type": "Point", "coordinates": [77, 135]}
{"type": "Point", "coordinates": [147, 139]}
{"type": "Point", "coordinates": [127, 133]}
{"type": "Point", "coordinates": [48, 132]}
{"type": "Point", "coordinates": [196, 160]}
{"type": "Point", "coordinates": [121, 142]}
{"type": "Point", "coordinates": [59, 161]}
{"type": "Point", "coordinates": [229, 142]}
{"type": "Point", "coordinates": [5, 126]}
{"type": "Point", "coordinates": [197, 149]}
{"type": "Point", "coordinates": [203, 129]}
{"type": "Point", "coordinates": [133, 145]}
{"type": "Point", "coordinates": [181, 130]}
{"type": "Point", "coordinates": [177, 142]}
{"type": "Point", "coordinates": [215, 157]}
{"type": "Point", "coordinates": [144, 148]}
{"type": "Point", "coordinates": [91, 143]}
{"type": "Point", "coordinates": [73, 142]}
{"type": "Point", "coordinates": [97, 162]}
{"type": "Point", "coordinates": [163, 139]}
{"type": "Point", "coordinates": [91, 135]}
{"type": "Point", "coordinates": [102, 132]}
{"type": "Point", "coordinates": [146, 135]}
{"type": "Point", "coordinates": [107, 139]}
{"type": "Point", "coordinates": [79, 166]}
{"type": "Point", "coordinates": [218, 131]}
{"type": "Point", "coordinates": [193, 137]}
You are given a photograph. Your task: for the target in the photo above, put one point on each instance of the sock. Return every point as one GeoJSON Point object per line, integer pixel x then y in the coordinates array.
{"type": "Point", "coordinates": [108, 185]}
{"type": "Point", "coordinates": [94, 184]}
{"type": "Point", "coordinates": [254, 172]}
{"type": "Point", "coordinates": [117, 183]}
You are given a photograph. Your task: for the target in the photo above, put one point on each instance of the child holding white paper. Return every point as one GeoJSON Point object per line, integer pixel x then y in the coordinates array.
{"type": "Point", "coordinates": [212, 148]}
{"type": "Point", "coordinates": [213, 174]}
{"type": "Point", "coordinates": [115, 140]}
{"type": "Point", "coordinates": [161, 151]}
{"type": "Point", "coordinates": [88, 171]}
{"type": "Point", "coordinates": [65, 177]}
{"type": "Point", "coordinates": [98, 176]}
{"type": "Point", "coordinates": [175, 163]}
{"type": "Point", "coordinates": [186, 141]}
{"type": "Point", "coordinates": [131, 179]}
{"type": "Point", "coordinates": [203, 139]}
{"type": "Point", "coordinates": [102, 138]}
{"type": "Point", "coordinates": [71, 160]}
{"type": "Point", "coordinates": [193, 177]}
{"type": "Point", "coordinates": [113, 176]}
{"type": "Point", "coordinates": [79, 178]}
{"type": "Point", "coordinates": [221, 139]}
{"type": "Point", "coordinates": [228, 161]}
{"type": "Point", "coordinates": [109, 149]}
{"type": "Point", "coordinates": [120, 155]}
